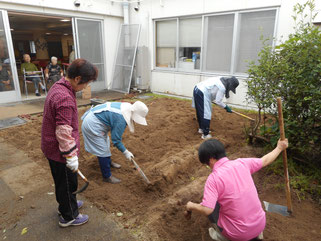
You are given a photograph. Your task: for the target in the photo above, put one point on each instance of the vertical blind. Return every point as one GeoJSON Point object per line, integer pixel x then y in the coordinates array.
{"type": "Point", "coordinates": [253, 26]}
{"type": "Point", "coordinates": [218, 36]}
{"type": "Point", "coordinates": [219, 43]}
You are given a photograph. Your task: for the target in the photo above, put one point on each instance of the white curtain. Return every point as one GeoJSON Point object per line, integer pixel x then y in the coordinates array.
{"type": "Point", "coordinates": [190, 31]}
{"type": "Point", "coordinates": [166, 33]}
{"type": "Point", "coordinates": [219, 42]}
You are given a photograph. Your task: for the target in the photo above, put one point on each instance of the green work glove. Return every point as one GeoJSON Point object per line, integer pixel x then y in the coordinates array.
{"type": "Point", "coordinates": [228, 109]}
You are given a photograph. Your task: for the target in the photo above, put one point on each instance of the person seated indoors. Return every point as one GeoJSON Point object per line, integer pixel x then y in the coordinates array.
{"type": "Point", "coordinates": [53, 71]}
{"type": "Point", "coordinates": [230, 198]}
{"type": "Point", "coordinates": [30, 70]}
{"type": "Point", "coordinates": [4, 78]}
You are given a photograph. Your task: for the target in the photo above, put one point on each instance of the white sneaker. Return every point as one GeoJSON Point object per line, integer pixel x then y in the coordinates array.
{"type": "Point", "coordinates": [260, 237]}
{"type": "Point", "coordinates": [215, 235]}
{"type": "Point", "coordinates": [208, 136]}
{"type": "Point", "coordinates": [200, 131]}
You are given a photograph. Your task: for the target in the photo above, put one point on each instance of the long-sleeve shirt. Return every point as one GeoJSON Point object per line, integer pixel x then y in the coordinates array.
{"type": "Point", "coordinates": [4, 75]}
{"type": "Point", "coordinates": [28, 67]}
{"type": "Point", "coordinates": [60, 110]}
{"type": "Point", "coordinates": [115, 122]}
{"type": "Point", "coordinates": [213, 90]}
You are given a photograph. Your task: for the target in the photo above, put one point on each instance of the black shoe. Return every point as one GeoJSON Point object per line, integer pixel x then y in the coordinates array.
{"type": "Point", "coordinates": [38, 94]}
{"type": "Point", "coordinates": [112, 180]}
{"type": "Point", "coordinates": [115, 165]}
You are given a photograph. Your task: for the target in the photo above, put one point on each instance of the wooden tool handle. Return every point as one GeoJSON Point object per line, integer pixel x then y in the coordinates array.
{"type": "Point", "coordinates": [240, 114]}
{"type": "Point", "coordinates": [82, 175]}
{"type": "Point", "coordinates": [140, 171]}
{"type": "Point", "coordinates": [284, 156]}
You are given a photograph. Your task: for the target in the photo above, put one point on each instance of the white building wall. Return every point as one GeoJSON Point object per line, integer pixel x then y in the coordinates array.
{"type": "Point", "coordinates": [180, 83]}
{"type": "Point", "coordinates": [96, 7]}
{"type": "Point", "coordinates": [111, 14]}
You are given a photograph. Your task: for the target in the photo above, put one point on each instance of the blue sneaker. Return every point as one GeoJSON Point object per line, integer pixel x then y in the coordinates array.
{"type": "Point", "coordinates": [79, 204]}
{"type": "Point", "coordinates": [80, 220]}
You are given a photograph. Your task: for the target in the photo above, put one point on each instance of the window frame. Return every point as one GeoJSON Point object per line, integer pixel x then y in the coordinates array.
{"type": "Point", "coordinates": [201, 46]}
{"type": "Point", "coordinates": [204, 34]}
{"type": "Point", "coordinates": [155, 43]}
{"type": "Point", "coordinates": [205, 49]}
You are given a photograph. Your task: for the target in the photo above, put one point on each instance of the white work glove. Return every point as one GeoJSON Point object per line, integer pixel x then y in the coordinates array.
{"type": "Point", "coordinates": [72, 163]}
{"type": "Point", "coordinates": [128, 155]}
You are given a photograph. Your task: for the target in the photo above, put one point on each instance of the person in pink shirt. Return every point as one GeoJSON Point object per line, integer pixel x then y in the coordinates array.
{"type": "Point", "coordinates": [230, 198]}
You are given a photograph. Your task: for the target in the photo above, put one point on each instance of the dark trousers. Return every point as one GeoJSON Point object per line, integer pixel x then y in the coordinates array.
{"type": "Point", "coordinates": [199, 106]}
{"type": "Point", "coordinates": [104, 163]}
{"type": "Point", "coordinates": [54, 78]}
{"type": "Point", "coordinates": [66, 183]}
{"type": "Point", "coordinates": [36, 81]}
{"type": "Point", "coordinates": [213, 217]}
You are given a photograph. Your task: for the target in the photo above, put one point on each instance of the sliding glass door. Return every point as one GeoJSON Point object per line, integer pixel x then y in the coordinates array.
{"type": "Point", "coordinates": [89, 45]}
{"type": "Point", "coordinates": [9, 84]}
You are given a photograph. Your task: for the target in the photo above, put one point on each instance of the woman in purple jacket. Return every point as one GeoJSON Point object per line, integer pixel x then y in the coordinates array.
{"type": "Point", "coordinates": [60, 138]}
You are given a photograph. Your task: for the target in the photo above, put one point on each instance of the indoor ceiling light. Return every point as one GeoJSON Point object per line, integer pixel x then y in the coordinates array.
{"type": "Point", "coordinates": [65, 20]}
{"type": "Point", "coordinates": [48, 33]}
{"type": "Point", "coordinates": [65, 33]}
{"type": "Point", "coordinates": [11, 29]}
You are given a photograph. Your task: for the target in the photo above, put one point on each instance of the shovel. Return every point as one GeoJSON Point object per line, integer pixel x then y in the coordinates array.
{"type": "Point", "coordinates": [269, 207]}
{"type": "Point", "coordinates": [84, 187]}
{"type": "Point", "coordinates": [140, 171]}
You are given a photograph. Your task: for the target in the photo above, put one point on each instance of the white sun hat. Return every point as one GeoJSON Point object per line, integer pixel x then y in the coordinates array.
{"type": "Point", "coordinates": [136, 112]}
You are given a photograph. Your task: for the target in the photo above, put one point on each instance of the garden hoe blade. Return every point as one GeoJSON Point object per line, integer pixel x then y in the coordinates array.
{"type": "Point", "coordinates": [140, 171]}
{"type": "Point", "coordinates": [275, 208]}
{"type": "Point", "coordinates": [84, 187]}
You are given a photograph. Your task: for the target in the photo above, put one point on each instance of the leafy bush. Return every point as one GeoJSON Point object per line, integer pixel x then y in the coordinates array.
{"type": "Point", "coordinates": [292, 70]}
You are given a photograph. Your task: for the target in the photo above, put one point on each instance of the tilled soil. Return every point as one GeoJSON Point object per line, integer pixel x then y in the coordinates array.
{"type": "Point", "coordinates": [166, 150]}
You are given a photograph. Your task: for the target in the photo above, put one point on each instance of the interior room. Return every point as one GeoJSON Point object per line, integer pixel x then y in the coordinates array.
{"type": "Point", "coordinates": [41, 37]}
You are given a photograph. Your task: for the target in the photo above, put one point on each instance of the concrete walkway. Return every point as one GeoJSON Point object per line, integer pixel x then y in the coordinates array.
{"type": "Point", "coordinates": [36, 105]}
{"type": "Point", "coordinates": [28, 209]}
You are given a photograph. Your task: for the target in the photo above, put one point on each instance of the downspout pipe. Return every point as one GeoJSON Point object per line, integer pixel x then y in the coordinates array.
{"type": "Point", "coordinates": [126, 11]}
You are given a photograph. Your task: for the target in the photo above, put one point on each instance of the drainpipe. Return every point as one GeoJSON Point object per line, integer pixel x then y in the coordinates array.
{"type": "Point", "coordinates": [126, 11]}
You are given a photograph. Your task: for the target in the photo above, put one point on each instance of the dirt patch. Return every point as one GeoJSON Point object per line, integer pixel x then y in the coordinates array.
{"type": "Point", "coordinates": [166, 150]}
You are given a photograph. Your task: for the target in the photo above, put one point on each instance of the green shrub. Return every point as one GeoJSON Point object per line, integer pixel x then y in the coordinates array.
{"type": "Point", "coordinates": [292, 70]}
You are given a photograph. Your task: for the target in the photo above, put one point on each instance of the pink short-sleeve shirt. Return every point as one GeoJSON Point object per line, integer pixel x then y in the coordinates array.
{"type": "Point", "coordinates": [231, 185]}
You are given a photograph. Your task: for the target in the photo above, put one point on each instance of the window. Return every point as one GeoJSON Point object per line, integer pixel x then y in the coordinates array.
{"type": "Point", "coordinates": [190, 32]}
{"type": "Point", "coordinates": [230, 40]}
{"type": "Point", "coordinates": [252, 26]}
{"type": "Point", "coordinates": [32, 47]}
{"type": "Point", "coordinates": [166, 42]}
{"type": "Point", "coordinates": [219, 39]}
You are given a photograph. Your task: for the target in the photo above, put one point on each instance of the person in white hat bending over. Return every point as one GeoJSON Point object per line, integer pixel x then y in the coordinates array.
{"type": "Point", "coordinates": [113, 117]}
{"type": "Point", "coordinates": [208, 91]}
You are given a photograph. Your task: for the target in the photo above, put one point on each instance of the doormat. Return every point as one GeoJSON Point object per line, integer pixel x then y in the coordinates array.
{"type": "Point", "coordinates": [9, 122]}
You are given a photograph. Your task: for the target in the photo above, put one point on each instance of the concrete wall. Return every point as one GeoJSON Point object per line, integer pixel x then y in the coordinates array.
{"type": "Point", "coordinates": [183, 84]}
{"type": "Point", "coordinates": [180, 83]}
